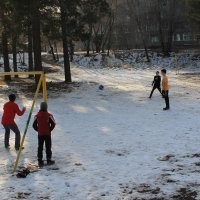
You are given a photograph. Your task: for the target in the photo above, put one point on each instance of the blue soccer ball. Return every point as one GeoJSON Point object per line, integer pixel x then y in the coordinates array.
{"type": "Point", "coordinates": [101, 87]}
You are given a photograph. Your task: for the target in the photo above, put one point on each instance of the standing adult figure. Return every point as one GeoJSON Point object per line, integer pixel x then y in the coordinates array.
{"type": "Point", "coordinates": [165, 88]}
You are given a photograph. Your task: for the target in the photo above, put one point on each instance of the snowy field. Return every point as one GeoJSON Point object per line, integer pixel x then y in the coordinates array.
{"type": "Point", "coordinates": [114, 144]}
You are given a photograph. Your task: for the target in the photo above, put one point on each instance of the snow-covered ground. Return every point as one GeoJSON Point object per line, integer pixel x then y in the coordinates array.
{"type": "Point", "coordinates": [113, 144]}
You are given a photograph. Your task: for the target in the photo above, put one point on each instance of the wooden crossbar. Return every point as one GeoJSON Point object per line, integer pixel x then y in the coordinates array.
{"type": "Point", "coordinates": [21, 73]}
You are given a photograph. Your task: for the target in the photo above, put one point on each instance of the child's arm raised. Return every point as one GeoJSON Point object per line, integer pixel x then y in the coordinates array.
{"type": "Point", "coordinates": [18, 111]}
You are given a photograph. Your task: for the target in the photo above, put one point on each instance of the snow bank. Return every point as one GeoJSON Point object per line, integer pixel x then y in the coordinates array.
{"type": "Point", "coordinates": [98, 61]}
{"type": "Point", "coordinates": [126, 59]}
{"type": "Point", "coordinates": [138, 60]}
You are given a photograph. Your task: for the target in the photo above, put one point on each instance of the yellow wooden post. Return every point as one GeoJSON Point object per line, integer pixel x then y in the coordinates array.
{"type": "Point", "coordinates": [27, 124]}
{"type": "Point", "coordinates": [20, 73]}
{"type": "Point", "coordinates": [44, 87]}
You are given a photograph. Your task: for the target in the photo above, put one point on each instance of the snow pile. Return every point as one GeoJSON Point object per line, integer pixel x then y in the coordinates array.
{"type": "Point", "coordinates": [97, 61]}
{"type": "Point", "coordinates": [137, 60]}
{"type": "Point", "coordinates": [188, 60]}
{"type": "Point", "coordinates": [90, 62]}
{"type": "Point", "coordinates": [112, 61]}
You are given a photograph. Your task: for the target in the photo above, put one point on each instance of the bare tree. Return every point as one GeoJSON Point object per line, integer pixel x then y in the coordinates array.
{"type": "Point", "coordinates": [140, 22]}
{"type": "Point", "coordinates": [139, 12]}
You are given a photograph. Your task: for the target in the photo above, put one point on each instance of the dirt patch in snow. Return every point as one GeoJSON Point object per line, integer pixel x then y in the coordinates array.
{"type": "Point", "coordinates": [185, 194]}
{"type": "Point", "coordinates": [26, 86]}
{"type": "Point", "coordinates": [155, 193]}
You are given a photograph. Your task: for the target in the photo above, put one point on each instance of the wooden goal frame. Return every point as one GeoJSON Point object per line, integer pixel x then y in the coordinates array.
{"type": "Point", "coordinates": [41, 82]}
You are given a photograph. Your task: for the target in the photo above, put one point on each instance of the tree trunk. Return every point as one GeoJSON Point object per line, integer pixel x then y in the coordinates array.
{"type": "Point", "coordinates": [71, 51]}
{"type": "Point", "coordinates": [143, 40]}
{"type": "Point", "coordinates": [160, 31]}
{"type": "Point", "coordinates": [67, 69]}
{"type": "Point", "coordinates": [30, 50]}
{"type": "Point", "coordinates": [146, 51]}
{"type": "Point", "coordinates": [88, 48]}
{"type": "Point", "coordinates": [36, 37]}
{"type": "Point", "coordinates": [5, 54]}
{"type": "Point", "coordinates": [161, 39]}
{"type": "Point", "coordinates": [134, 14]}
{"type": "Point", "coordinates": [14, 52]}
{"type": "Point", "coordinates": [89, 41]}
{"type": "Point", "coordinates": [110, 36]}
{"type": "Point", "coordinates": [169, 39]}
{"type": "Point", "coordinates": [57, 56]}
{"type": "Point", "coordinates": [52, 50]}
{"type": "Point", "coordinates": [98, 42]}
{"type": "Point", "coordinates": [109, 43]}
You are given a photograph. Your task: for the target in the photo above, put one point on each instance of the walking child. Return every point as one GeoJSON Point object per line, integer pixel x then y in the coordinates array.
{"type": "Point", "coordinates": [156, 84]}
{"type": "Point", "coordinates": [165, 88]}
{"type": "Point", "coordinates": [44, 124]}
{"type": "Point", "coordinates": [10, 110]}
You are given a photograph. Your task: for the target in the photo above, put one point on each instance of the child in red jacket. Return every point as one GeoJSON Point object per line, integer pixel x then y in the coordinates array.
{"type": "Point", "coordinates": [44, 123]}
{"type": "Point", "coordinates": [10, 111]}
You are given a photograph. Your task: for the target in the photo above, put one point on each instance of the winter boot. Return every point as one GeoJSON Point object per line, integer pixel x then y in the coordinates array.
{"type": "Point", "coordinates": [7, 147]}
{"type": "Point", "coordinates": [50, 162]}
{"type": "Point", "coordinates": [40, 163]}
{"type": "Point", "coordinates": [165, 109]}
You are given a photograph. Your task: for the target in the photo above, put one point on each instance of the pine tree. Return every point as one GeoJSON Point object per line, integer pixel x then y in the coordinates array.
{"type": "Point", "coordinates": [5, 11]}
{"type": "Point", "coordinates": [63, 19]}
{"type": "Point", "coordinates": [93, 12]}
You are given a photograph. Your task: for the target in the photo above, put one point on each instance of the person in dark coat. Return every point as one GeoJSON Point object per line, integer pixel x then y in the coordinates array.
{"type": "Point", "coordinates": [44, 123]}
{"type": "Point", "coordinates": [156, 84]}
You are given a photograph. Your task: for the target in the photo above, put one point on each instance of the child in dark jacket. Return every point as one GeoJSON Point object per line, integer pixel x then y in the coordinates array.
{"type": "Point", "coordinates": [44, 123]}
{"type": "Point", "coordinates": [8, 121]}
{"type": "Point", "coordinates": [156, 84]}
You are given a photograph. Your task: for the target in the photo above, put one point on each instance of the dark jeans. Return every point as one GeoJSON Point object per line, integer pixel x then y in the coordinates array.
{"type": "Point", "coordinates": [166, 96]}
{"type": "Point", "coordinates": [47, 140]}
{"type": "Point", "coordinates": [15, 129]}
{"type": "Point", "coordinates": [155, 87]}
